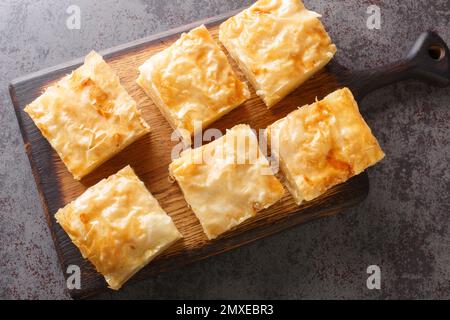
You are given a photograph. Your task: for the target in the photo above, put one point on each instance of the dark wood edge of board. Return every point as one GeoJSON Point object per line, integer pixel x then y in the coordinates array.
{"type": "Point", "coordinates": [322, 209]}
{"type": "Point", "coordinates": [36, 176]}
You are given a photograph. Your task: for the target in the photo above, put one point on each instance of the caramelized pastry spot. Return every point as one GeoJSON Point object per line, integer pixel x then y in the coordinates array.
{"type": "Point", "coordinates": [260, 11]}
{"type": "Point", "coordinates": [339, 165]}
{"type": "Point", "coordinates": [84, 218]}
{"type": "Point", "coordinates": [118, 138]}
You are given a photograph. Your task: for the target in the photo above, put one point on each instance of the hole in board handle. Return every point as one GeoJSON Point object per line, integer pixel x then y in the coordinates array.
{"type": "Point", "coordinates": [436, 52]}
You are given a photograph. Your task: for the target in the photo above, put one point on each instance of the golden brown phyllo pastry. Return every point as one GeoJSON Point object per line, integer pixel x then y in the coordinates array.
{"type": "Point", "coordinates": [118, 226]}
{"type": "Point", "coordinates": [278, 44]}
{"type": "Point", "coordinates": [192, 81]}
{"type": "Point", "coordinates": [226, 181]}
{"type": "Point", "coordinates": [323, 144]}
{"type": "Point", "coordinates": [88, 116]}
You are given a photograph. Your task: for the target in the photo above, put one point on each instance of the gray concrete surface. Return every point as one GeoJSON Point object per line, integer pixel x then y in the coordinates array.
{"type": "Point", "coordinates": [403, 226]}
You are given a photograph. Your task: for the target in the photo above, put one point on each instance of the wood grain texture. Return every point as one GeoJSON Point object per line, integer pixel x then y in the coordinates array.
{"type": "Point", "coordinates": [150, 157]}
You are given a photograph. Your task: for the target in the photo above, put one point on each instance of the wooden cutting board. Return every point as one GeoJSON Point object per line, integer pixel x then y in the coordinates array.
{"type": "Point", "coordinates": [150, 158]}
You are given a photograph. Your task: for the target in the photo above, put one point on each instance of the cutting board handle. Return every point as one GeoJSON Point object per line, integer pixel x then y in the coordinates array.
{"type": "Point", "coordinates": [428, 61]}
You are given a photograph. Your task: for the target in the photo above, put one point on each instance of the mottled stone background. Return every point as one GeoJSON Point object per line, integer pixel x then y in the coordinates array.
{"type": "Point", "coordinates": [403, 226]}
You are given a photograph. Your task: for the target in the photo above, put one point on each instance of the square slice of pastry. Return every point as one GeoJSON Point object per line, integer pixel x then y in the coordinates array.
{"type": "Point", "coordinates": [192, 82]}
{"type": "Point", "coordinates": [87, 116]}
{"type": "Point", "coordinates": [278, 44]}
{"type": "Point", "coordinates": [118, 226]}
{"type": "Point", "coordinates": [323, 144]}
{"type": "Point", "coordinates": [226, 181]}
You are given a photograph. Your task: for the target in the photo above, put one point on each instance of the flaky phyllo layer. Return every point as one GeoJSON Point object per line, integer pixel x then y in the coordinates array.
{"type": "Point", "coordinates": [87, 116]}
{"type": "Point", "coordinates": [118, 226]}
{"type": "Point", "coordinates": [225, 182]}
{"type": "Point", "coordinates": [192, 81]}
{"type": "Point", "coordinates": [278, 44]}
{"type": "Point", "coordinates": [323, 144]}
